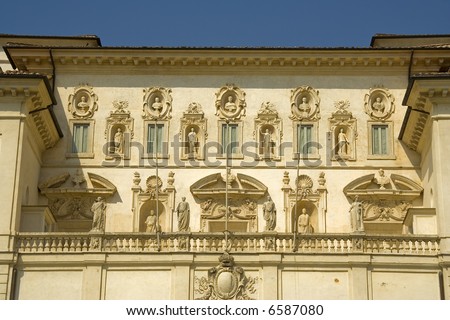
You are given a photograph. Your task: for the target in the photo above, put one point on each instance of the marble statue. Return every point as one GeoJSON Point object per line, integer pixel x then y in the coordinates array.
{"type": "Point", "coordinates": [266, 142]}
{"type": "Point", "coordinates": [382, 179]}
{"type": "Point", "coordinates": [356, 214]}
{"type": "Point", "coordinates": [342, 142]}
{"type": "Point", "coordinates": [83, 105]}
{"type": "Point", "coordinates": [183, 212]}
{"type": "Point", "coordinates": [98, 209]}
{"type": "Point", "coordinates": [118, 141]}
{"type": "Point", "coordinates": [270, 214]}
{"type": "Point", "coordinates": [230, 106]}
{"type": "Point", "coordinates": [150, 222]}
{"type": "Point", "coordinates": [304, 107]}
{"type": "Point", "coordinates": [303, 222]}
{"type": "Point", "coordinates": [192, 140]}
{"type": "Point", "coordinates": [157, 105]}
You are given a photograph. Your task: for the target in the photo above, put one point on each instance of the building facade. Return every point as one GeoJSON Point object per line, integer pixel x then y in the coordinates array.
{"type": "Point", "coordinates": [224, 173]}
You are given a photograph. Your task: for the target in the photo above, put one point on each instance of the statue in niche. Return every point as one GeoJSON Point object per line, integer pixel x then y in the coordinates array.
{"type": "Point", "coordinates": [356, 214]}
{"type": "Point", "coordinates": [270, 214]}
{"type": "Point", "coordinates": [151, 222]}
{"type": "Point", "coordinates": [83, 105]}
{"type": "Point", "coordinates": [98, 209]}
{"type": "Point", "coordinates": [382, 179]}
{"type": "Point", "coordinates": [192, 140]}
{"type": "Point", "coordinates": [183, 212]}
{"type": "Point", "coordinates": [230, 106]}
{"type": "Point", "coordinates": [343, 142]}
{"type": "Point", "coordinates": [378, 107]}
{"type": "Point", "coordinates": [157, 105]}
{"type": "Point", "coordinates": [267, 142]}
{"type": "Point", "coordinates": [303, 222]}
{"type": "Point", "coordinates": [118, 141]}
{"type": "Point", "coordinates": [304, 107]}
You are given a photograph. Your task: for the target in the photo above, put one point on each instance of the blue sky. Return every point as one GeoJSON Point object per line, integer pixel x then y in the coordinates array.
{"type": "Point", "coordinates": [239, 23]}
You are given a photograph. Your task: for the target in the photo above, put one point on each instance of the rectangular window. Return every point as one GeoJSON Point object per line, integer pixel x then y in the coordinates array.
{"type": "Point", "coordinates": [379, 140]}
{"type": "Point", "coordinates": [304, 139]}
{"type": "Point", "coordinates": [80, 141]}
{"type": "Point", "coordinates": [155, 138]}
{"type": "Point", "coordinates": [232, 136]}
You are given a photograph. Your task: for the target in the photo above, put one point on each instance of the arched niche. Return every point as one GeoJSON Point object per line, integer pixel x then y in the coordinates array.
{"type": "Point", "coordinates": [118, 142]}
{"type": "Point", "coordinates": [303, 195]}
{"type": "Point", "coordinates": [268, 132]}
{"type": "Point", "coordinates": [343, 132]}
{"type": "Point", "coordinates": [144, 211]}
{"type": "Point", "coordinates": [311, 210]}
{"type": "Point", "coordinates": [146, 200]}
{"type": "Point", "coordinates": [193, 132]}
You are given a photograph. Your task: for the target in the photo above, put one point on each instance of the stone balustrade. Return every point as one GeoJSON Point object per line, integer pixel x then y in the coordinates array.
{"type": "Point", "coordinates": [237, 242]}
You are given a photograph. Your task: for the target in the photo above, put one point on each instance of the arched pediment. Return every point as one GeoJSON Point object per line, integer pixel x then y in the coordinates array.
{"type": "Point", "coordinates": [214, 186]}
{"type": "Point", "coordinates": [379, 186]}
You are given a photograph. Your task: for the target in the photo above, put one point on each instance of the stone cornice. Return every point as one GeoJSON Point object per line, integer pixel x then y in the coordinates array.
{"type": "Point", "coordinates": [423, 91]}
{"type": "Point", "coordinates": [32, 58]}
{"type": "Point", "coordinates": [35, 91]}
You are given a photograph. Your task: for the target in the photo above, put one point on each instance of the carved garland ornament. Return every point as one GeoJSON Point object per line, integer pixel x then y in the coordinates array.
{"type": "Point", "coordinates": [305, 104]}
{"type": "Point", "coordinates": [83, 102]}
{"type": "Point", "coordinates": [230, 103]}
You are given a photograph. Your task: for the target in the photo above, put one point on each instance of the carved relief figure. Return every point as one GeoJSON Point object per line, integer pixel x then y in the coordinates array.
{"type": "Point", "coordinates": [382, 179]}
{"type": "Point", "coordinates": [378, 107]}
{"type": "Point", "coordinates": [150, 222]}
{"type": "Point", "coordinates": [118, 141]}
{"type": "Point", "coordinates": [183, 212]}
{"type": "Point", "coordinates": [270, 214]}
{"type": "Point", "coordinates": [192, 140]}
{"type": "Point", "coordinates": [230, 106]}
{"type": "Point", "coordinates": [157, 105]}
{"type": "Point", "coordinates": [303, 222]}
{"type": "Point", "coordinates": [83, 105]}
{"type": "Point", "coordinates": [98, 210]}
{"type": "Point", "coordinates": [304, 107]}
{"type": "Point", "coordinates": [356, 214]}
{"type": "Point", "coordinates": [342, 142]}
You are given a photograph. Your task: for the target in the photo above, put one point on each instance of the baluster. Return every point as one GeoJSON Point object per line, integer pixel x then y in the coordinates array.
{"type": "Point", "coordinates": [40, 244]}
{"type": "Point", "coordinates": [27, 245]}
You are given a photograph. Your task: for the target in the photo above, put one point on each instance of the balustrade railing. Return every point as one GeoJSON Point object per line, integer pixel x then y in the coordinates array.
{"type": "Point", "coordinates": [237, 242]}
